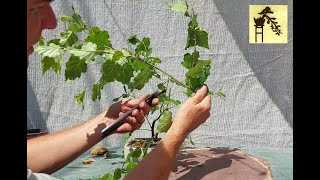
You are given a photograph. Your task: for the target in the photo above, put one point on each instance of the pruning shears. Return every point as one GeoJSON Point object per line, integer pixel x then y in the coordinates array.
{"type": "Point", "coordinates": [118, 122]}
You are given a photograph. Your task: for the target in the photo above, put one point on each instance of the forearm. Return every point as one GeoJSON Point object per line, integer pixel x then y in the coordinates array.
{"type": "Point", "coordinates": [158, 163]}
{"type": "Point", "coordinates": [51, 152]}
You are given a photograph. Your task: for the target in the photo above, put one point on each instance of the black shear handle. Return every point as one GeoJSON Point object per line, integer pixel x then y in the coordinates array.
{"type": "Point", "coordinates": [115, 124]}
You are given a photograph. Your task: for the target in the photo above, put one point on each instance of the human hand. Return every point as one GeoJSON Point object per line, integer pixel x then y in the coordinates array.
{"type": "Point", "coordinates": [193, 112]}
{"type": "Point", "coordinates": [136, 119]}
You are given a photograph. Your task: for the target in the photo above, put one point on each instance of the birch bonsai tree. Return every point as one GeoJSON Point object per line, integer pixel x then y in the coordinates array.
{"type": "Point", "coordinates": [133, 69]}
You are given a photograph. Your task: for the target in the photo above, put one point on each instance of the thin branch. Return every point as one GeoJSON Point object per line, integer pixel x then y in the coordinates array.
{"type": "Point", "coordinates": [173, 78]}
{"type": "Point", "coordinates": [107, 52]}
{"type": "Point", "coordinates": [153, 124]}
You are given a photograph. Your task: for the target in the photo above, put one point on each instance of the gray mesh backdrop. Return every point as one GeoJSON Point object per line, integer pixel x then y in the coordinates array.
{"type": "Point", "coordinates": [257, 78]}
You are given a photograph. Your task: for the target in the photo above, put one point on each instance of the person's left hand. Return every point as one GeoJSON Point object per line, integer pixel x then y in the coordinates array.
{"type": "Point", "coordinates": [136, 119]}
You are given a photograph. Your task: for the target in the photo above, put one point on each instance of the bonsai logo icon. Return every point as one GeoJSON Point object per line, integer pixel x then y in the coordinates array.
{"type": "Point", "coordinates": [268, 24]}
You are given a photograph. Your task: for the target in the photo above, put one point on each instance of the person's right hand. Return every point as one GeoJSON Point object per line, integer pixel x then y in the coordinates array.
{"type": "Point", "coordinates": [193, 112]}
{"type": "Point", "coordinates": [136, 119]}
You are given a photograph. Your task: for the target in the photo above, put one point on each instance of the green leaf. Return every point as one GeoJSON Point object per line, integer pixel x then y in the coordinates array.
{"type": "Point", "coordinates": [54, 41]}
{"type": "Point", "coordinates": [74, 67]}
{"type": "Point", "coordinates": [189, 60]}
{"type": "Point", "coordinates": [175, 102]}
{"type": "Point", "coordinates": [64, 18]}
{"type": "Point", "coordinates": [122, 60]}
{"type": "Point", "coordinates": [167, 100]}
{"type": "Point", "coordinates": [145, 149]}
{"type": "Point", "coordinates": [134, 155]}
{"type": "Point", "coordinates": [57, 68]}
{"type": "Point", "coordinates": [143, 48]}
{"type": "Point", "coordinates": [108, 56]}
{"type": "Point", "coordinates": [138, 65]}
{"type": "Point", "coordinates": [126, 52]}
{"type": "Point", "coordinates": [52, 50]}
{"type": "Point", "coordinates": [79, 98]}
{"type": "Point", "coordinates": [41, 41]}
{"type": "Point", "coordinates": [49, 62]}
{"type": "Point", "coordinates": [107, 176]}
{"type": "Point", "coordinates": [74, 28]}
{"type": "Point", "coordinates": [193, 83]}
{"type": "Point", "coordinates": [189, 92]}
{"type": "Point", "coordinates": [94, 30]}
{"type": "Point", "coordinates": [117, 55]}
{"type": "Point", "coordinates": [126, 136]}
{"type": "Point", "coordinates": [163, 97]}
{"type": "Point", "coordinates": [202, 38]}
{"type": "Point", "coordinates": [96, 90]}
{"type": "Point", "coordinates": [117, 174]}
{"type": "Point", "coordinates": [131, 165]}
{"type": "Point", "coordinates": [193, 24]}
{"type": "Point", "coordinates": [179, 7]}
{"type": "Point", "coordinates": [130, 86]}
{"type": "Point", "coordinates": [196, 76]}
{"type": "Point", "coordinates": [153, 60]}
{"type": "Point", "coordinates": [110, 71]}
{"type": "Point", "coordinates": [68, 38]}
{"type": "Point", "coordinates": [100, 38]}
{"type": "Point", "coordinates": [143, 77]}
{"type": "Point", "coordinates": [125, 75]}
{"type": "Point", "coordinates": [87, 51]}
{"type": "Point", "coordinates": [164, 122]}
{"type": "Point", "coordinates": [204, 75]}
{"type": "Point", "coordinates": [77, 24]}
{"type": "Point", "coordinates": [196, 71]}
{"type": "Point", "coordinates": [197, 36]}
{"type": "Point", "coordinates": [161, 86]}
{"type": "Point", "coordinates": [190, 140]}
{"type": "Point", "coordinates": [133, 39]}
